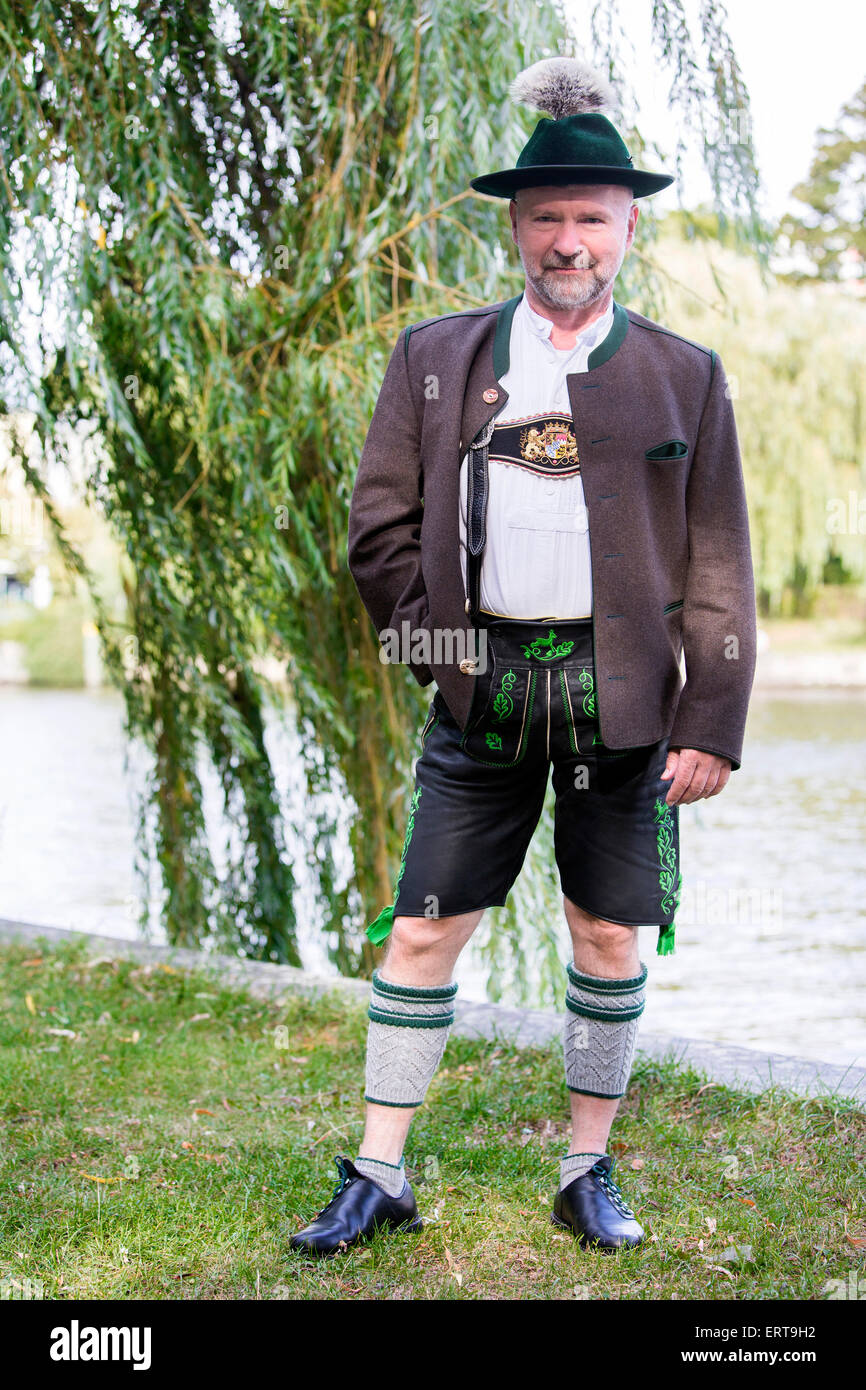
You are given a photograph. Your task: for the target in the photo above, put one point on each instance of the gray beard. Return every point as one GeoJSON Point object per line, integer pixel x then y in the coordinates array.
{"type": "Point", "coordinates": [559, 294]}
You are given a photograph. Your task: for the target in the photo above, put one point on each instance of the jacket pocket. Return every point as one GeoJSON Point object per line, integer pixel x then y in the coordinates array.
{"type": "Point", "coordinates": [670, 449]}
{"type": "Point", "coordinates": [498, 733]}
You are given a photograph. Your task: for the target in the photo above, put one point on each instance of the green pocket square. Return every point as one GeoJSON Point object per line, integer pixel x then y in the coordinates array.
{"type": "Point", "coordinates": [670, 449]}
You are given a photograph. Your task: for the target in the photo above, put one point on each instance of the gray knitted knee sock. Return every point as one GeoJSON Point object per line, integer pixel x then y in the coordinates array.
{"type": "Point", "coordinates": [601, 1024]}
{"type": "Point", "coordinates": [408, 1031]}
{"type": "Point", "coordinates": [390, 1176]}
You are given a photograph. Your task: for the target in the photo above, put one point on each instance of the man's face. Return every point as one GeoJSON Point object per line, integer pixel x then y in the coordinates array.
{"type": "Point", "coordinates": [572, 240]}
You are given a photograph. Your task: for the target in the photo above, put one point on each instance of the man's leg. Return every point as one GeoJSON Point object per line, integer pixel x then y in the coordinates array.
{"type": "Point", "coordinates": [422, 953]}
{"type": "Point", "coordinates": [605, 998]}
{"type": "Point", "coordinates": [605, 950]}
{"type": "Point", "coordinates": [411, 1006]}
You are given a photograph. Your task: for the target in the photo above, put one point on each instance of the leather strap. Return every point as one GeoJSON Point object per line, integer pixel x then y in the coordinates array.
{"type": "Point", "coordinates": [476, 513]}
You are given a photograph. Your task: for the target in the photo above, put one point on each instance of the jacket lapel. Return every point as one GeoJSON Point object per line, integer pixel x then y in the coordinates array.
{"type": "Point", "coordinates": [489, 365]}
{"type": "Point", "coordinates": [492, 360]}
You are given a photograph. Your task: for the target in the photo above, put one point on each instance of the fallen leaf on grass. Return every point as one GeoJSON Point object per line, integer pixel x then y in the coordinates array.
{"type": "Point", "coordinates": [200, 1110]}
{"type": "Point", "coordinates": [746, 1201]}
{"type": "Point", "coordinates": [720, 1269]}
{"type": "Point", "coordinates": [132, 1037]}
{"type": "Point", "coordinates": [738, 1255]}
{"type": "Point", "coordinates": [638, 1163]}
{"type": "Point", "coordinates": [37, 961]}
{"type": "Point", "coordinates": [61, 1032]}
{"type": "Point", "coordinates": [857, 1238]}
{"type": "Point", "coordinates": [711, 1225]}
{"type": "Point", "coordinates": [28, 1000]}
{"type": "Point", "coordinates": [186, 1144]}
{"type": "Point", "coordinates": [199, 1018]}
{"type": "Point", "coordinates": [453, 1267]}
{"type": "Point", "coordinates": [226, 1104]}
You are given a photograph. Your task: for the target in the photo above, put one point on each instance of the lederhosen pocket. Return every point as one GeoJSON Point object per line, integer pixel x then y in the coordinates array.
{"type": "Point", "coordinates": [497, 730]}
{"type": "Point", "coordinates": [578, 693]}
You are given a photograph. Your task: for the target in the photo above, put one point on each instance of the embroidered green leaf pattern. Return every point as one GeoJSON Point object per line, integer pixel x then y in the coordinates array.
{"type": "Point", "coordinates": [670, 880]}
{"type": "Point", "coordinates": [503, 703]}
{"type": "Point", "coordinates": [380, 929]}
{"type": "Point", "coordinates": [588, 684]}
{"type": "Point", "coordinates": [543, 649]}
{"type": "Point", "coordinates": [410, 826]}
{"type": "Point", "coordinates": [494, 741]}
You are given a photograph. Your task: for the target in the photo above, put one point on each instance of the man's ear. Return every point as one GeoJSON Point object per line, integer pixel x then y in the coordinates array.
{"type": "Point", "coordinates": [634, 210]}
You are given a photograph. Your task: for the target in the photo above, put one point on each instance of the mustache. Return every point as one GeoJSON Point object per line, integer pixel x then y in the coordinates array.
{"type": "Point", "coordinates": [579, 263]}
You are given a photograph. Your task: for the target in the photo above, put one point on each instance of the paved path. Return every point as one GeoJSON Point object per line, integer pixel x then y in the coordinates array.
{"type": "Point", "coordinates": [742, 1067]}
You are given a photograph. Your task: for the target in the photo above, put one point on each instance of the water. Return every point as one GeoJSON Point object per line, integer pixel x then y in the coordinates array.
{"type": "Point", "coordinates": [771, 934]}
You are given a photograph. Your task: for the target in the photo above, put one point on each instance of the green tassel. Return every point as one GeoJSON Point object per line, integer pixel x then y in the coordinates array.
{"type": "Point", "coordinates": [665, 945]}
{"type": "Point", "coordinates": [379, 930]}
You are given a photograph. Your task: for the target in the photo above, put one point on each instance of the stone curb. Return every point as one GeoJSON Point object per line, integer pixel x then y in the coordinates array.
{"type": "Point", "coordinates": [743, 1068]}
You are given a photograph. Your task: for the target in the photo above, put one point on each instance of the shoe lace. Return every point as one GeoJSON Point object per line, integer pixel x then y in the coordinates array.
{"type": "Point", "coordinates": [344, 1180]}
{"type": "Point", "coordinates": [612, 1189]}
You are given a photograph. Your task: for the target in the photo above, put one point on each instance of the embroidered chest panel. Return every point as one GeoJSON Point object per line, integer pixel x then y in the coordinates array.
{"type": "Point", "coordinates": [539, 443]}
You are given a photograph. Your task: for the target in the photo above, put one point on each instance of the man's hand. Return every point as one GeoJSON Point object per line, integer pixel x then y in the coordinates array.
{"type": "Point", "coordinates": [695, 775]}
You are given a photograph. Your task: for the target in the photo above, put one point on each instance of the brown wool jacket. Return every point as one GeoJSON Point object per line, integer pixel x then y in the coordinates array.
{"type": "Point", "coordinates": [668, 525]}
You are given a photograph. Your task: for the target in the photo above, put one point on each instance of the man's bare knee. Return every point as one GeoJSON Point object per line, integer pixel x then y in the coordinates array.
{"type": "Point", "coordinates": [609, 938]}
{"type": "Point", "coordinates": [415, 939]}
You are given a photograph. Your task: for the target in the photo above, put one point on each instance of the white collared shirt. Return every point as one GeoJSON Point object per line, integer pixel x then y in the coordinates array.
{"type": "Point", "coordinates": [536, 561]}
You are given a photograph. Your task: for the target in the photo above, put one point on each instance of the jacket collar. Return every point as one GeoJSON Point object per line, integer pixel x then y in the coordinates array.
{"type": "Point", "coordinates": [605, 349]}
{"type": "Point", "coordinates": [485, 395]}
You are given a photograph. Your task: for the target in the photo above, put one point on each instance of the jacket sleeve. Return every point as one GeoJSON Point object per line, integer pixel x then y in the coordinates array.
{"type": "Point", "coordinates": [386, 509]}
{"type": "Point", "coordinates": [719, 622]}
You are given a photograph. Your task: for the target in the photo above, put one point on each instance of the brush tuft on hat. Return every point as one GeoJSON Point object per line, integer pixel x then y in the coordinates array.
{"type": "Point", "coordinates": [562, 87]}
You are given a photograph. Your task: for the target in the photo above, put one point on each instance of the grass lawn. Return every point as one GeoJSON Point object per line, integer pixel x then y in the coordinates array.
{"type": "Point", "coordinates": [163, 1135]}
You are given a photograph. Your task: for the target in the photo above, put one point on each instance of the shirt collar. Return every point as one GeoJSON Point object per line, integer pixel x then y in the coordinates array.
{"type": "Point", "coordinates": [586, 337]}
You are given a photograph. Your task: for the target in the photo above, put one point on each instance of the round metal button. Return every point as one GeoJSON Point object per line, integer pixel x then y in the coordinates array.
{"type": "Point", "coordinates": [490, 395]}
{"type": "Point", "coordinates": [467, 666]}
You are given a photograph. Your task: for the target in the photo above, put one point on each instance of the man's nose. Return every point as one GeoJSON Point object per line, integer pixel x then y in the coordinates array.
{"type": "Point", "coordinates": [569, 242]}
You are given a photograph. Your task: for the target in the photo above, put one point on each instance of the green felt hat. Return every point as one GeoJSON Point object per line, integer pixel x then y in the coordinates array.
{"type": "Point", "coordinates": [574, 142]}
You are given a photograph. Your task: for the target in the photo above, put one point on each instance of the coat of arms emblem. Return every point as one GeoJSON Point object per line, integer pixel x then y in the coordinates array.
{"type": "Point", "coordinates": [554, 444]}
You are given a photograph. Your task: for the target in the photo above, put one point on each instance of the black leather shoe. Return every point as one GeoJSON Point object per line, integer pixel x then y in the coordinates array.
{"type": "Point", "coordinates": [356, 1209]}
{"type": "Point", "coordinates": [592, 1208]}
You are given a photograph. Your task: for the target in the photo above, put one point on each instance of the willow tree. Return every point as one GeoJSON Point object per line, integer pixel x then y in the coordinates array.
{"type": "Point", "coordinates": [832, 227]}
{"type": "Point", "coordinates": [234, 210]}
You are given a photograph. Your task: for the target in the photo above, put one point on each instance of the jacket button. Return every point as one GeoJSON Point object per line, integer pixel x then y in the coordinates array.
{"type": "Point", "coordinates": [467, 666]}
{"type": "Point", "coordinates": [490, 395]}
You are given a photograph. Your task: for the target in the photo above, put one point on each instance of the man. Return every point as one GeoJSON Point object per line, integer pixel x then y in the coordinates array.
{"type": "Point", "coordinates": [556, 480]}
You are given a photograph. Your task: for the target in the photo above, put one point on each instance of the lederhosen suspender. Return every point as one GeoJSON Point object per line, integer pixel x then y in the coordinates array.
{"type": "Point", "coordinates": [476, 514]}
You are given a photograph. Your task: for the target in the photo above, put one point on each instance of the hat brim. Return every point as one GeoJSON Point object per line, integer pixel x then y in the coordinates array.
{"type": "Point", "coordinates": [506, 183]}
